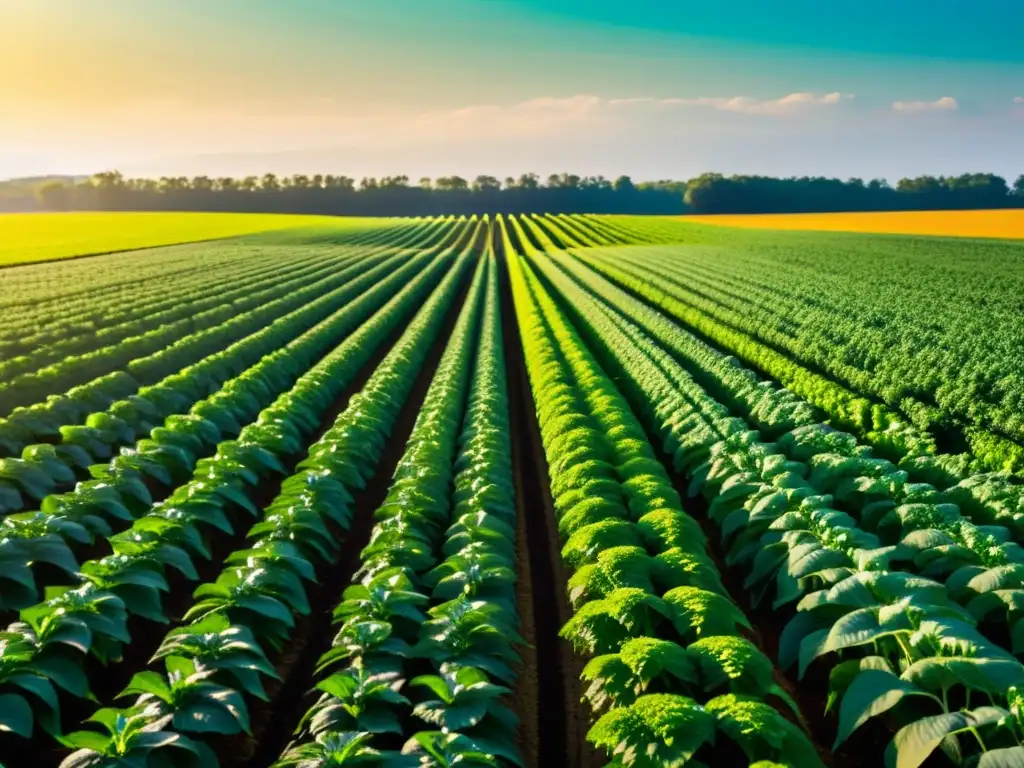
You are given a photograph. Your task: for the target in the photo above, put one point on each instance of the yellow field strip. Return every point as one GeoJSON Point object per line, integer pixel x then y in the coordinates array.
{"type": "Point", "coordinates": [996, 223]}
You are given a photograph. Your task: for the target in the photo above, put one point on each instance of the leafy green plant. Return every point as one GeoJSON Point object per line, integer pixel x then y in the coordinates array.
{"type": "Point", "coordinates": [134, 737]}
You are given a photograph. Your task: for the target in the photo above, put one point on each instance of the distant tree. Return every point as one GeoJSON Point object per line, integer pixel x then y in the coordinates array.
{"type": "Point", "coordinates": [595, 182]}
{"type": "Point", "coordinates": [528, 181]}
{"type": "Point", "coordinates": [1018, 186]}
{"type": "Point", "coordinates": [426, 182]}
{"type": "Point", "coordinates": [108, 180]}
{"type": "Point", "coordinates": [624, 184]}
{"type": "Point", "coordinates": [451, 183]}
{"type": "Point", "coordinates": [340, 182]}
{"type": "Point", "coordinates": [704, 192]}
{"type": "Point", "coordinates": [149, 186]}
{"type": "Point", "coordinates": [486, 184]}
{"type": "Point", "coordinates": [563, 181]}
{"type": "Point", "coordinates": [55, 196]}
{"type": "Point", "coordinates": [269, 183]}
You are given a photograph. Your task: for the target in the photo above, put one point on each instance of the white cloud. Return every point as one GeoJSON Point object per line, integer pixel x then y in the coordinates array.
{"type": "Point", "coordinates": [746, 104]}
{"type": "Point", "coordinates": [944, 104]}
{"type": "Point", "coordinates": [548, 116]}
{"type": "Point", "coordinates": [1019, 100]}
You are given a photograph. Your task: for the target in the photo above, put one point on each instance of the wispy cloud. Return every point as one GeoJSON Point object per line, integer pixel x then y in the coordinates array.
{"type": "Point", "coordinates": [792, 102]}
{"type": "Point", "coordinates": [944, 104]}
{"type": "Point", "coordinates": [1019, 100]}
{"type": "Point", "coordinates": [547, 115]}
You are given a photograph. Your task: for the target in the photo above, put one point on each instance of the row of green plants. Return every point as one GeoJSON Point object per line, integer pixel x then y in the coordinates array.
{"type": "Point", "coordinates": [842, 468]}
{"type": "Point", "coordinates": [75, 301]}
{"type": "Point", "coordinates": [30, 312]}
{"type": "Point", "coordinates": [937, 365]}
{"type": "Point", "coordinates": [91, 618]}
{"type": "Point", "coordinates": [112, 373]}
{"type": "Point", "coordinates": [998, 489]}
{"type": "Point", "coordinates": [425, 649]}
{"type": "Point", "coordinates": [119, 492]}
{"type": "Point", "coordinates": [629, 230]}
{"type": "Point", "coordinates": [671, 673]}
{"type": "Point", "coordinates": [43, 422]}
{"type": "Point", "coordinates": [151, 355]}
{"type": "Point", "coordinates": [71, 446]}
{"type": "Point", "coordinates": [187, 340]}
{"type": "Point", "coordinates": [993, 497]}
{"type": "Point", "coordinates": [584, 230]}
{"type": "Point", "coordinates": [44, 470]}
{"type": "Point", "coordinates": [846, 408]}
{"type": "Point", "coordinates": [625, 268]}
{"type": "Point", "coordinates": [986, 496]}
{"type": "Point", "coordinates": [913, 425]}
{"type": "Point", "coordinates": [804, 519]}
{"type": "Point", "coordinates": [192, 292]}
{"type": "Point", "coordinates": [213, 666]}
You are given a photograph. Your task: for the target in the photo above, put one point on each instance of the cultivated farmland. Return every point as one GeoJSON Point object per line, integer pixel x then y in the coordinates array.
{"type": "Point", "coordinates": [514, 491]}
{"type": "Point", "coordinates": [26, 239]}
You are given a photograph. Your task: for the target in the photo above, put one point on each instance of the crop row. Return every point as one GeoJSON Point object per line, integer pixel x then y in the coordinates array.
{"type": "Point", "coordinates": [670, 667]}
{"type": "Point", "coordinates": [120, 491]}
{"type": "Point", "coordinates": [219, 658]}
{"type": "Point", "coordinates": [188, 334]}
{"type": "Point", "coordinates": [991, 494]}
{"type": "Point", "coordinates": [427, 630]}
{"type": "Point", "coordinates": [92, 619]}
{"type": "Point", "coordinates": [838, 389]}
{"type": "Point", "coordinates": [810, 519]}
{"type": "Point", "coordinates": [74, 319]}
{"type": "Point", "coordinates": [194, 293]}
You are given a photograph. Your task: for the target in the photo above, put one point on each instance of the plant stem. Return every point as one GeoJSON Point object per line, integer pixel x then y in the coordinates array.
{"type": "Point", "coordinates": [977, 736]}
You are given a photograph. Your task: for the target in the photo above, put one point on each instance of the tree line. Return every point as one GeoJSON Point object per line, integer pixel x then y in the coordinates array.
{"type": "Point", "coordinates": [715, 193]}
{"type": "Point", "coordinates": [387, 196]}
{"type": "Point", "coordinates": [559, 193]}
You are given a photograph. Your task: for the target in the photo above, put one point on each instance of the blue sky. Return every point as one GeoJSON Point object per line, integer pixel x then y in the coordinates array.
{"type": "Point", "coordinates": [651, 88]}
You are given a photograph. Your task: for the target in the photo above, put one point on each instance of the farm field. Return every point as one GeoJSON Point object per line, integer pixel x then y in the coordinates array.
{"type": "Point", "coordinates": [517, 491]}
{"type": "Point", "coordinates": [1006, 224]}
{"type": "Point", "coordinates": [36, 237]}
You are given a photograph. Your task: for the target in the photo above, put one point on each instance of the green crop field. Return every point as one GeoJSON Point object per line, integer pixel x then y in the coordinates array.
{"type": "Point", "coordinates": [519, 491]}
{"type": "Point", "coordinates": [34, 237]}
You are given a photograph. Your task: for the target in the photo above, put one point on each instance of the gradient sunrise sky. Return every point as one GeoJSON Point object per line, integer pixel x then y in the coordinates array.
{"type": "Point", "coordinates": [652, 88]}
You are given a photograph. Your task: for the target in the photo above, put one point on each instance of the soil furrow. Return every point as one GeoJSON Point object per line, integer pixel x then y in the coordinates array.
{"type": "Point", "coordinates": [548, 694]}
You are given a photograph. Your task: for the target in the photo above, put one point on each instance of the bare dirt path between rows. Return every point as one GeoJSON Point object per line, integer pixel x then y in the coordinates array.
{"type": "Point", "coordinates": [547, 694]}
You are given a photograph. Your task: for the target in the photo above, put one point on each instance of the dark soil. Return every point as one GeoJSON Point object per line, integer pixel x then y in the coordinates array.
{"type": "Point", "coordinates": [548, 691]}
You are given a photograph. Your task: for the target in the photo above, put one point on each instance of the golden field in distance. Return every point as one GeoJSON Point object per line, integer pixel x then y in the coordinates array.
{"type": "Point", "coordinates": [1004, 224]}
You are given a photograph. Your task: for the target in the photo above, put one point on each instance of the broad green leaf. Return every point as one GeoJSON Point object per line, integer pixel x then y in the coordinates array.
{"type": "Point", "coordinates": [15, 715]}
{"type": "Point", "coordinates": [871, 693]}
